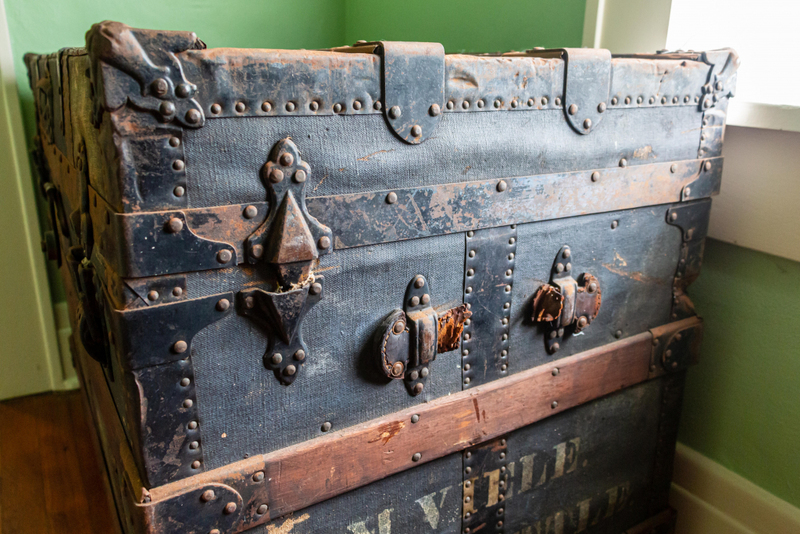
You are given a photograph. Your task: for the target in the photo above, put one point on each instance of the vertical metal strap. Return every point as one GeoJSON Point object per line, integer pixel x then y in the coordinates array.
{"type": "Point", "coordinates": [668, 419]}
{"type": "Point", "coordinates": [484, 488]}
{"type": "Point", "coordinates": [489, 271]}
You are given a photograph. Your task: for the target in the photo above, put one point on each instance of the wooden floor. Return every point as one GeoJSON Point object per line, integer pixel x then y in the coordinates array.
{"type": "Point", "coordinates": [50, 477]}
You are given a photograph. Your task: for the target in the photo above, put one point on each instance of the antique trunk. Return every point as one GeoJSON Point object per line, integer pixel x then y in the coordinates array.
{"type": "Point", "coordinates": [379, 289]}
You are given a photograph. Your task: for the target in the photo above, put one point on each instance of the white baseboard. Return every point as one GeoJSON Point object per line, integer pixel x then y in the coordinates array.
{"type": "Point", "coordinates": [711, 499]}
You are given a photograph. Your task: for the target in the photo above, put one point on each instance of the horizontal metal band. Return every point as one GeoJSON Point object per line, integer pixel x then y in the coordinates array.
{"type": "Point", "coordinates": [156, 243]}
{"type": "Point", "coordinates": [279, 483]}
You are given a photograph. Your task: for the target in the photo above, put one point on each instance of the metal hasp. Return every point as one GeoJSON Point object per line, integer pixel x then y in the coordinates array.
{"type": "Point", "coordinates": [587, 81]}
{"type": "Point", "coordinates": [413, 88]}
{"type": "Point", "coordinates": [566, 302]}
{"type": "Point", "coordinates": [291, 241]}
{"type": "Point", "coordinates": [408, 340]}
{"type": "Point", "coordinates": [141, 68]}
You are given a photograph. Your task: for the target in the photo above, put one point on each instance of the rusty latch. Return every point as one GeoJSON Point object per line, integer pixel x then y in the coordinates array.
{"type": "Point", "coordinates": [409, 339]}
{"type": "Point", "coordinates": [566, 302]}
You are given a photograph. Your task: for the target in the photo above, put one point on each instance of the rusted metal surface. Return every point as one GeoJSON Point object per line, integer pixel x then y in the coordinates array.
{"type": "Point", "coordinates": [677, 347]}
{"type": "Point", "coordinates": [692, 221]}
{"type": "Point", "coordinates": [566, 305]}
{"type": "Point", "coordinates": [451, 325]}
{"type": "Point", "coordinates": [444, 426]}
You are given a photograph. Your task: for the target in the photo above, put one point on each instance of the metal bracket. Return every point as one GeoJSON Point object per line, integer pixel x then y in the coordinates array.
{"type": "Point", "coordinates": [675, 349]}
{"type": "Point", "coordinates": [692, 219]}
{"type": "Point", "coordinates": [721, 82]}
{"type": "Point", "coordinates": [408, 340]}
{"type": "Point", "coordinates": [141, 68]}
{"type": "Point", "coordinates": [413, 88]}
{"type": "Point", "coordinates": [566, 302]}
{"type": "Point", "coordinates": [289, 238]}
{"type": "Point", "coordinates": [587, 82]}
{"type": "Point", "coordinates": [282, 314]}
{"type": "Point", "coordinates": [486, 478]}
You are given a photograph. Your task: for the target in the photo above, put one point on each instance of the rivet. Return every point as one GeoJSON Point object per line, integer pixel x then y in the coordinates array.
{"type": "Point", "coordinates": [471, 254]}
{"type": "Point", "coordinates": [470, 233]}
{"type": "Point", "coordinates": [674, 365]}
{"type": "Point", "coordinates": [434, 110]}
{"type": "Point", "coordinates": [167, 109]}
{"type": "Point", "coordinates": [337, 108]}
{"type": "Point", "coordinates": [239, 107]}
{"type": "Point", "coordinates": [568, 267]}
{"type": "Point", "coordinates": [188, 403]}
{"type": "Point", "coordinates": [707, 166]}
{"type": "Point", "coordinates": [531, 102]}
{"type": "Point", "coordinates": [497, 104]}
{"type": "Point", "coordinates": [415, 301]}
{"type": "Point", "coordinates": [194, 445]}
{"type": "Point", "coordinates": [290, 106]}
{"type": "Point", "coordinates": [674, 99]}
{"type": "Point", "coordinates": [249, 303]}
{"type": "Point", "coordinates": [623, 162]}
{"type": "Point", "coordinates": [426, 298]}
{"type": "Point", "coordinates": [555, 347]}
{"type": "Point", "coordinates": [618, 334]}
{"type": "Point", "coordinates": [290, 370]}
{"type": "Point", "coordinates": [504, 320]}
{"type": "Point", "coordinates": [414, 418]}
{"type": "Point", "coordinates": [559, 267]}
{"type": "Point", "coordinates": [250, 212]}
{"type": "Point", "coordinates": [159, 87]}
{"type": "Point", "coordinates": [313, 105]}
{"type": "Point", "coordinates": [286, 159]}
{"type": "Point", "coordinates": [480, 103]}
{"type": "Point", "coordinates": [614, 224]}
{"type": "Point", "coordinates": [178, 165]}
{"type": "Point", "coordinates": [467, 322]}
{"type": "Point", "coordinates": [192, 425]}
{"type": "Point", "coordinates": [414, 375]}
{"type": "Point", "coordinates": [275, 176]}
{"type": "Point", "coordinates": [326, 426]}
{"type": "Point", "coordinates": [399, 327]}
{"type": "Point", "coordinates": [223, 304]}
{"type": "Point", "coordinates": [315, 289]}
{"type": "Point", "coordinates": [266, 107]}
{"type": "Point", "coordinates": [509, 272]}
{"type": "Point", "coordinates": [465, 104]}
{"type": "Point", "coordinates": [450, 104]}
{"type": "Point", "coordinates": [257, 251]}
{"type": "Point", "coordinates": [686, 99]}
{"type": "Point", "coordinates": [174, 142]}
{"type": "Point", "coordinates": [466, 367]}
{"type": "Point", "coordinates": [418, 389]}
{"type": "Point", "coordinates": [152, 295]}
{"type": "Point", "coordinates": [669, 353]}
{"type": "Point", "coordinates": [663, 99]}
{"type": "Point", "coordinates": [652, 100]}
{"type": "Point", "coordinates": [224, 256]}
{"type": "Point", "coordinates": [503, 367]}
{"type": "Point", "coordinates": [395, 112]}
{"type": "Point", "coordinates": [582, 322]}
{"type": "Point", "coordinates": [324, 242]}
{"type": "Point", "coordinates": [465, 352]}
{"type": "Point", "coordinates": [416, 458]}
{"type": "Point", "coordinates": [416, 130]}
{"type": "Point", "coordinates": [614, 101]}
{"type": "Point", "coordinates": [511, 256]}
{"type": "Point", "coordinates": [262, 509]}
{"type": "Point", "coordinates": [601, 107]}
{"type": "Point", "coordinates": [553, 334]}
{"type": "Point", "coordinates": [230, 507]}
{"type": "Point", "coordinates": [627, 100]}
{"type": "Point", "coordinates": [673, 168]}
{"type": "Point", "coordinates": [208, 495]}
{"type": "Point", "coordinates": [471, 272]}
{"type": "Point", "coordinates": [705, 122]}
{"type": "Point", "coordinates": [467, 334]}
{"type": "Point", "coordinates": [467, 499]}
{"type": "Point", "coordinates": [557, 101]}
{"type": "Point", "coordinates": [466, 381]}
{"type": "Point", "coordinates": [398, 368]}
{"type": "Point", "coordinates": [592, 287]}
{"type": "Point", "coordinates": [192, 116]}
{"type": "Point", "coordinates": [179, 191]}
{"type": "Point", "coordinates": [573, 109]}
{"type": "Point", "coordinates": [506, 305]}
{"type": "Point", "coordinates": [258, 477]}
{"type": "Point", "coordinates": [587, 124]}
{"type": "Point", "coordinates": [179, 347]}
{"type": "Point", "coordinates": [177, 292]}
{"type": "Point", "coordinates": [377, 105]}
{"type": "Point", "coordinates": [561, 332]}
{"type": "Point", "coordinates": [566, 254]}
{"type": "Point", "coordinates": [544, 101]}
{"type": "Point", "coordinates": [687, 192]}
{"type": "Point", "coordinates": [504, 353]}
{"type": "Point", "coordinates": [673, 216]}
{"type": "Point", "coordinates": [508, 289]}
{"type": "Point", "coordinates": [196, 464]}
{"type": "Point", "coordinates": [512, 241]}
{"type": "Point", "coordinates": [707, 104]}
{"type": "Point", "coordinates": [277, 358]}
{"type": "Point", "coordinates": [555, 371]}
{"type": "Point", "coordinates": [554, 405]}
{"type": "Point", "coordinates": [639, 100]}
{"type": "Point", "coordinates": [391, 198]}
{"type": "Point", "coordinates": [356, 105]}
{"type": "Point", "coordinates": [514, 104]}
{"type": "Point", "coordinates": [502, 186]}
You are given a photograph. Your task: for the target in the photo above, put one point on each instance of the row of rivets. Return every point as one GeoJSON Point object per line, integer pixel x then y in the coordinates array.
{"type": "Point", "coordinates": [628, 100]}
{"type": "Point", "coordinates": [291, 106]}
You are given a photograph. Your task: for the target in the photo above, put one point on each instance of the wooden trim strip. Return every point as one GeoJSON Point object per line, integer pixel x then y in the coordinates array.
{"type": "Point", "coordinates": [319, 469]}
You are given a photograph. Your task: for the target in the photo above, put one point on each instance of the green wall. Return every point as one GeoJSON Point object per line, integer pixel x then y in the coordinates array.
{"type": "Point", "coordinates": [742, 406]}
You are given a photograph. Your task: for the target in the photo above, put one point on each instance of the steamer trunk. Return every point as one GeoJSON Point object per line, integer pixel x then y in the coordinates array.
{"type": "Point", "coordinates": [379, 289]}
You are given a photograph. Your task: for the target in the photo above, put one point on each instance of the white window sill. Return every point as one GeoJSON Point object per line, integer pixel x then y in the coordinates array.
{"type": "Point", "coordinates": [767, 116]}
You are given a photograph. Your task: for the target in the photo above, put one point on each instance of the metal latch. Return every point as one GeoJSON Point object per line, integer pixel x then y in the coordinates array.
{"type": "Point", "coordinates": [587, 82]}
{"type": "Point", "coordinates": [409, 339]}
{"type": "Point", "coordinates": [566, 302]}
